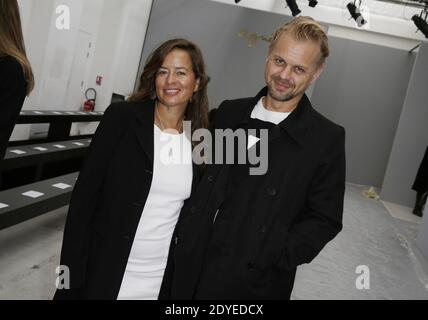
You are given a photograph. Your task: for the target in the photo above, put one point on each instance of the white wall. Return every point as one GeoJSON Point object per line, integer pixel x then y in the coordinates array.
{"type": "Point", "coordinates": [25, 8]}
{"type": "Point", "coordinates": [117, 29]}
{"type": "Point", "coordinates": [131, 41]}
{"type": "Point", "coordinates": [411, 138]}
{"type": "Point", "coordinates": [58, 59]}
{"type": "Point", "coordinates": [118, 48]}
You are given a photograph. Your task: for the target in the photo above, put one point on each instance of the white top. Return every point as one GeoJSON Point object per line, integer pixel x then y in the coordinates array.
{"type": "Point", "coordinates": [171, 185]}
{"type": "Point", "coordinates": [261, 113]}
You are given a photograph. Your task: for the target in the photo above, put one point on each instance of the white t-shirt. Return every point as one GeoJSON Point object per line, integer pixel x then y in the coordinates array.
{"type": "Point", "coordinates": [261, 113]}
{"type": "Point", "coordinates": [171, 185]}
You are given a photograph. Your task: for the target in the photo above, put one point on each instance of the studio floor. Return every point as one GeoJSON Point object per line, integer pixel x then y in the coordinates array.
{"type": "Point", "coordinates": [378, 242]}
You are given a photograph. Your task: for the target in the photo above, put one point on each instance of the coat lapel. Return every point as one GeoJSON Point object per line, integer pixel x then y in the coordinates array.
{"type": "Point", "coordinates": [143, 126]}
{"type": "Point", "coordinates": [143, 129]}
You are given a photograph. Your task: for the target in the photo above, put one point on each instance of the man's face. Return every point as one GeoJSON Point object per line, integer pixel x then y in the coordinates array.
{"type": "Point", "coordinates": [291, 67]}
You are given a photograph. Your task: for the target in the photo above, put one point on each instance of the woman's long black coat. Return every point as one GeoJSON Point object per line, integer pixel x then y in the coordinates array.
{"type": "Point", "coordinates": [107, 202]}
{"type": "Point", "coordinates": [421, 181]}
{"type": "Point", "coordinates": [12, 95]}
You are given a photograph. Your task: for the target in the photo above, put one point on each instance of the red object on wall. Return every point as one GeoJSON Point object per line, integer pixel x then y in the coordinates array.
{"type": "Point", "coordinates": [99, 80]}
{"type": "Point", "coordinates": [89, 104]}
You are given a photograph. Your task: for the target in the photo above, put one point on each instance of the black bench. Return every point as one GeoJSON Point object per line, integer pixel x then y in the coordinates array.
{"type": "Point", "coordinates": [59, 121]}
{"type": "Point", "coordinates": [29, 201]}
{"type": "Point", "coordinates": [31, 163]}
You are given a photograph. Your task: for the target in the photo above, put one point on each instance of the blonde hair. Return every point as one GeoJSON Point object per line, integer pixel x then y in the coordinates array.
{"type": "Point", "coordinates": [304, 28]}
{"type": "Point", "coordinates": [12, 40]}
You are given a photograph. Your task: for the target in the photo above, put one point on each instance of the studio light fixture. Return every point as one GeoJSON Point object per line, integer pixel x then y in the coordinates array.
{"type": "Point", "coordinates": [313, 3]}
{"type": "Point", "coordinates": [355, 13]}
{"type": "Point", "coordinates": [421, 23]}
{"type": "Point", "coordinates": [293, 7]}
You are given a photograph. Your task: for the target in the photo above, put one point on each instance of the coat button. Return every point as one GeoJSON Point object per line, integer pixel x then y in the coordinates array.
{"type": "Point", "coordinates": [148, 172]}
{"type": "Point", "coordinates": [210, 178]}
{"type": "Point", "coordinates": [192, 210]}
{"type": "Point", "coordinates": [251, 265]}
{"type": "Point", "coordinates": [271, 191]}
{"type": "Point", "coordinates": [261, 229]}
{"type": "Point", "coordinates": [176, 240]}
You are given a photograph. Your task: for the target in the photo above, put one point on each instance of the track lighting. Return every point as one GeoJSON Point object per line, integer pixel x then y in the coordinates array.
{"type": "Point", "coordinates": [313, 3]}
{"type": "Point", "coordinates": [421, 23]}
{"type": "Point", "coordinates": [293, 7]}
{"type": "Point", "coordinates": [355, 14]}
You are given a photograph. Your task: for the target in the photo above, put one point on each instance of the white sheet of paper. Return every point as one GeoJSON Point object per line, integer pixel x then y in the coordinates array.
{"type": "Point", "coordinates": [61, 186]}
{"type": "Point", "coordinates": [33, 194]}
{"type": "Point", "coordinates": [59, 146]}
{"type": "Point", "coordinates": [18, 151]}
{"type": "Point", "coordinates": [40, 149]}
{"type": "Point", "coordinates": [3, 205]}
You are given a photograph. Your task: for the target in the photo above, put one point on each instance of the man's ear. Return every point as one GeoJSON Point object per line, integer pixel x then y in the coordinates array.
{"type": "Point", "coordinates": [317, 73]}
{"type": "Point", "coordinates": [197, 85]}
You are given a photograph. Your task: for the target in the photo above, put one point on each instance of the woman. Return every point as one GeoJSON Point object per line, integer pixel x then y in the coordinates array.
{"type": "Point", "coordinates": [128, 195]}
{"type": "Point", "coordinates": [420, 185]}
{"type": "Point", "coordinates": [16, 77]}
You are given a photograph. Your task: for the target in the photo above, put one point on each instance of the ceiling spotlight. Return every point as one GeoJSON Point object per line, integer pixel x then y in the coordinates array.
{"type": "Point", "coordinates": [421, 24]}
{"type": "Point", "coordinates": [355, 14]}
{"type": "Point", "coordinates": [293, 7]}
{"type": "Point", "coordinates": [313, 3]}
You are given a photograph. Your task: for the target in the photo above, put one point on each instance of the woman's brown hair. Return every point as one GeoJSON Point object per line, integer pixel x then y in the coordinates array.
{"type": "Point", "coordinates": [12, 40]}
{"type": "Point", "coordinates": [197, 109]}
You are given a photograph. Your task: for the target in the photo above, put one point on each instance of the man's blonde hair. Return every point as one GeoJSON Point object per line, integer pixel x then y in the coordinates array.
{"type": "Point", "coordinates": [304, 28]}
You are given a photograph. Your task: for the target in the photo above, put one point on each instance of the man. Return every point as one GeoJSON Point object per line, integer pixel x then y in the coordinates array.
{"type": "Point", "coordinates": [242, 236]}
{"type": "Point", "coordinates": [420, 185]}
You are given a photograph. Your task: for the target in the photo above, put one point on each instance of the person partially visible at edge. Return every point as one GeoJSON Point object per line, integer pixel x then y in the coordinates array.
{"type": "Point", "coordinates": [242, 236]}
{"type": "Point", "coordinates": [16, 76]}
{"type": "Point", "coordinates": [127, 198]}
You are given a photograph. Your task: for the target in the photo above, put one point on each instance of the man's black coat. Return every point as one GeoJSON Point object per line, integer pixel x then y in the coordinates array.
{"type": "Point", "coordinates": [273, 223]}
